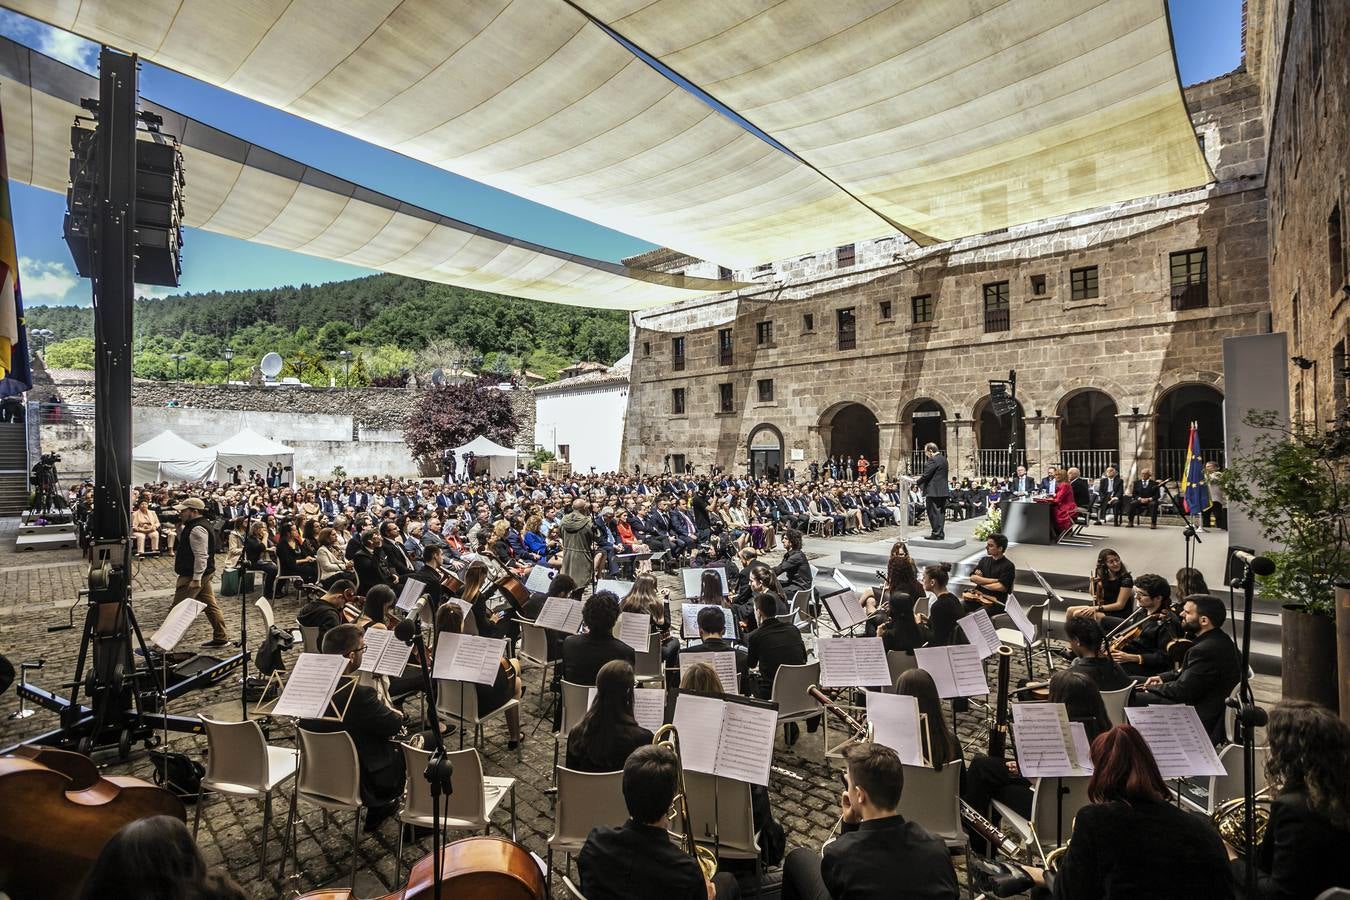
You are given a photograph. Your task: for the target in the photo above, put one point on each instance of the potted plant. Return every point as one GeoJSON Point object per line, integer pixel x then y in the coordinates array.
{"type": "Point", "coordinates": [989, 524]}
{"type": "Point", "coordinates": [1291, 483]}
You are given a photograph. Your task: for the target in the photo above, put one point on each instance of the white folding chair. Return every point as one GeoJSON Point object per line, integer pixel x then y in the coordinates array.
{"type": "Point", "coordinates": [264, 607]}
{"type": "Point", "coordinates": [534, 651]}
{"type": "Point", "coordinates": [585, 800]}
{"type": "Point", "coordinates": [309, 637]}
{"type": "Point", "coordinates": [1051, 823]}
{"type": "Point", "coordinates": [899, 662]}
{"type": "Point", "coordinates": [801, 607]}
{"type": "Point", "coordinates": [932, 797]}
{"type": "Point", "coordinates": [1115, 704]}
{"type": "Point", "coordinates": [240, 762]}
{"type": "Point", "coordinates": [572, 890]}
{"type": "Point", "coordinates": [789, 692]}
{"type": "Point", "coordinates": [1229, 785]}
{"type": "Point", "coordinates": [330, 778]}
{"type": "Point", "coordinates": [473, 798]}
{"type": "Point", "coordinates": [459, 700]}
{"type": "Point", "coordinates": [647, 665]}
{"type": "Point", "coordinates": [575, 700]}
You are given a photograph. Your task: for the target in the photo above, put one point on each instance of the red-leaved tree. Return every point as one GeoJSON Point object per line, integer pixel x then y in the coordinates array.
{"type": "Point", "coordinates": [454, 414]}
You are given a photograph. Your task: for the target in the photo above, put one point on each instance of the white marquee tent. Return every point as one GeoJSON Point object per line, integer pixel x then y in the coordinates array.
{"type": "Point", "coordinates": [168, 457]}
{"type": "Point", "coordinates": [501, 461]}
{"type": "Point", "coordinates": [250, 450]}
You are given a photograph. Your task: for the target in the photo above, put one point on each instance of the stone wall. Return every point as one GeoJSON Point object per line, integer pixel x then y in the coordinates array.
{"type": "Point", "coordinates": [1127, 342]}
{"type": "Point", "coordinates": [1306, 82]}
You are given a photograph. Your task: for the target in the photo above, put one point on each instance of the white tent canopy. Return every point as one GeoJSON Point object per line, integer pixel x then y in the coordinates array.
{"type": "Point", "coordinates": [168, 457]}
{"type": "Point", "coordinates": [250, 450]}
{"type": "Point", "coordinates": [501, 461]}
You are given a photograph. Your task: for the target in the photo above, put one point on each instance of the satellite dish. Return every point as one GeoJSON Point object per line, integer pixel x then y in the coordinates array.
{"type": "Point", "coordinates": [438, 377]}
{"type": "Point", "coordinates": [271, 365]}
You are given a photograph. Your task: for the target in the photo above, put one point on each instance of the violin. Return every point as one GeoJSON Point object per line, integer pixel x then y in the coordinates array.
{"type": "Point", "coordinates": [472, 868]}
{"type": "Point", "coordinates": [58, 812]}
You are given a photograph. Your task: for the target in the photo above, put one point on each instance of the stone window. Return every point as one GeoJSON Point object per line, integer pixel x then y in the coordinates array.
{"type": "Point", "coordinates": [565, 452]}
{"type": "Point", "coordinates": [677, 462]}
{"type": "Point", "coordinates": [1335, 249]}
{"type": "Point", "coordinates": [765, 386]}
{"type": "Point", "coordinates": [763, 267]}
{"type": "Point", "coordinates": [677, 353]}
{"type": "Point", "coordinates": [997, 316]}
{"type": "Point", "coordinates": [847, 322]}
{"type": "Point", "coordinates": [1296, 318]}
{"type": "Point", "coordinates": [1038, 285]}
{"type": "Point", "coordinates": [884, 309]}
{"type": "Point", "coordinates": [724, 403]}
{"type": "Point", "coordinates": [646, 348]}
{"type": "Point", "coordinates": [1340, 368]}
{"type": "Point", "coordinates": [844, 256]}
{"type": "Point", "coordinates": [1200, 139]}
{"type": "Point", "coordinates": [921, 308]}
{"type": "Point", "coordinates": [808, 322]}
{"type": "Point", "coordinates": [1190, 279]}
{"type": "Point", "coordinates": [677, 402]}
{"type": "Point", "coordinates": [764, 333]}
{"type": "Point", "coordinates": [1083, 283]}
{"type": "Point", "coordinates": [724, 346]}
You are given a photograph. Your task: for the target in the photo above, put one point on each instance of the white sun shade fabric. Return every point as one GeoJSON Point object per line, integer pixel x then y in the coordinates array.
{"type": "Point", "coordinates": [168, 457]}
{"type": "Point", "coordinates": [526, 95]}
{"type": "Point", "coordinates": [949, 118]}
{"type": "Point", "coordinates": [245, 191]}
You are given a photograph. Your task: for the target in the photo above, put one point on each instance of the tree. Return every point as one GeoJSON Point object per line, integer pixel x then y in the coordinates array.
{"type": "Point", "coordinates": [452, 415]}
{"type": "Point", "coordinates": [75, 353]}
{"type": "Point", "coordinates": [444, 353]}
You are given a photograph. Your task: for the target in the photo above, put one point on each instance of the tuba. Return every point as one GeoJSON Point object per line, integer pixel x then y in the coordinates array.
{"type": "Point", "coordinates": [1228, 818]}
{"type": "Point", "coordinates": [667, 736]}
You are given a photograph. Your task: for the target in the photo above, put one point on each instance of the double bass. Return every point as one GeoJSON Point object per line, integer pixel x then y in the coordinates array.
{"type": "Point", "coordinates": [472, 868]}
{"type": "Point", "coordinates": [58, 812]}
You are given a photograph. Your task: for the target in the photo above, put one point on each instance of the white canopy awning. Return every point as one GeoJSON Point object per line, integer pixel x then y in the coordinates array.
{"type": "Point", "coordinates": [168, 457]}
{"type": "Point", "coordinates": [499, 461]}
{"type": "Point", "coordinates": [251, 450]}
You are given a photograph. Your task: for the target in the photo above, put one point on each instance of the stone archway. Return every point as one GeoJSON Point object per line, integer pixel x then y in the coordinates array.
{"type": "Point", "coordinates": [993, 435]}
{"type": "Point", "coordinates": [1174, 412]}
{"type": "Point", "coordinates": [1089, 432]}
{"type": "Point", "coordinates": [922, 421]}
{"type": "Point", "coordinates": [764, 448]}
{"type": "Point", "coordinates": [852, 431]}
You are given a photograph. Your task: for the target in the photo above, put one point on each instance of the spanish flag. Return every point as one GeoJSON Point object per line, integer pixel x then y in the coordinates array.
{"type": "Point", "coordinates": [15, 375]}
{"type": "Point", "coordinates": [1194, 487]}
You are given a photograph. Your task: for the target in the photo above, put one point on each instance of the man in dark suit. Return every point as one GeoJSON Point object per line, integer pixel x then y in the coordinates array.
{"type": "Point", "coordinates": [1082, 490]}
{"type": "Point", "coordinates": [1110, 496]}
{"type": "Point", "coordinates": [933, 483]}
{"type": "Point", "coordinates": [1022, 483]}
{"type": "Point", "coordinates": [1212, 668]}
{"type": "Point", "coordinates": [1147, 493]}
{"type": "Point", "coordinates": [370, 724]}
{"type": "Point", "coordinates": [712, 624]}
{"type": "Point", "coordinates": [638, 858]}
{"type": "Point", "coordinates": [878, 853]}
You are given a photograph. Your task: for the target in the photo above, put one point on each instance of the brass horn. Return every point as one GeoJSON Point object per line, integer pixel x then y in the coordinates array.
{"type": "Point", "coordinates": [667, 736]}
{"type": "Point", "coordinates": [1228, 818]}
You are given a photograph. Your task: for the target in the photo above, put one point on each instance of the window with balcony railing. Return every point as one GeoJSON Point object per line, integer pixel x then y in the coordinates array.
{"type": "Point", "coordinates": [997, 315]}
{"type": "Point", "coordinates": [724, 347]}
{"type": "Point", "coordinates": [677, 354]}
{"type": "Point", "coordinates": [847, 321]}
{"type": "Point", "coordinates": [1190, 279]}
{"type": "Point", "coordinates": [844, 256]}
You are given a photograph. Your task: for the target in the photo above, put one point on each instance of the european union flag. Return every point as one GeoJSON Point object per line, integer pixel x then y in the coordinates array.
{"type": "Point", "coordinates": [1194, 487]}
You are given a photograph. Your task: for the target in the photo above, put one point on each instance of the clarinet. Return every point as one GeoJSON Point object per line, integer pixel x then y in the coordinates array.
{"type": "Point", "coordinates": [998, 733]}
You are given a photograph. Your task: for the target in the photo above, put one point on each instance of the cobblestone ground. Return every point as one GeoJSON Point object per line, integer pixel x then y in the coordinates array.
{"type": "Point", "coordinates": [37, 588]}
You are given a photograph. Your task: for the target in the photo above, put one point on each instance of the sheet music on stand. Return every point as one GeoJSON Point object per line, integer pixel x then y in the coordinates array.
{"type": "Point", "coordinates": [845, 609]}
{"type": "Point", "coordinates": [1019, 616]}
{"type": "Point", "coordinates": [560, 614]}
{"type": "Point", "coordinates": [176, 623]}
{"type": "Point", "coordinates": [689, 620]}
{"type": "Point", "coordinates": [692, 581]}
{"type": "Point", "coordinates": [468, 657]}
{"type": "Point", "coordinates": [539, 579]}
{"type": "Point", "coordinates": [649, 707]}
{"type": "Point", "coordinates": [842, 580]}
{"type": "Point", "coordinates": [1178, 739]}
{"type": "Point", "coordinates": [728, 736]}
{"type": "Point", "coordinates": [1044, 741]}
{"type": "Point", "coordinates": [980, 632]}
{"type": "Point", "coordinates": [895, 723]}
{"type": "Point", "coordinates": [385, 653]}
{"type": "Point", "coordinates": [308, 693]}
{"type": "Point", "coordinates": [408, 597]}
{"type": "Point", "coordinates": [853, 662]}
{"type": "Point", "coordinates": [634, 629]}
{"type": "Point", "coordinates": [957, 670]}
{"type": "Point", "coordinates": [621, 589]}
{"type": "Point", "coordinates": [723, 663]}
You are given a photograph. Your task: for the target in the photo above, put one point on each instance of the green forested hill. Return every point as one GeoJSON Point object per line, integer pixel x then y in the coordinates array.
{"type": "Point", "coordinates": [390, 323]}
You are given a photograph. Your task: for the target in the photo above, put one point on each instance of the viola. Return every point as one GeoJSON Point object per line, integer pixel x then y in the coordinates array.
{"type": "Point", "coordinates": [58, 812]}
{"type": "Point", "coordinates": [513, 589]}
{"type": "Point", "coordinates": [473, 868]}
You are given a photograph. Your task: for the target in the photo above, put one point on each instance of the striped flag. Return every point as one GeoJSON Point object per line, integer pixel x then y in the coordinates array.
{"type": "Point", "coordinates": [14, 369]}
{"type": "Point", "coordinates": [1194, 487]}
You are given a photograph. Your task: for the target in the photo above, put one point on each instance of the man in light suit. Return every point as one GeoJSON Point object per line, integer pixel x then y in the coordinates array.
{"type": "Point", "coordinates": [933, 483]}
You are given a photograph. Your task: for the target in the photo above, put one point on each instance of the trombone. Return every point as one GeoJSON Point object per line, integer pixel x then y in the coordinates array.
{"type": "Point", "coordinates": [667, 736]}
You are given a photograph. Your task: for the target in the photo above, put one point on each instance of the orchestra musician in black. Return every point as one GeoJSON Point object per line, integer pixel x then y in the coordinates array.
{"type": "Point", "coordinates": [1142, 649]}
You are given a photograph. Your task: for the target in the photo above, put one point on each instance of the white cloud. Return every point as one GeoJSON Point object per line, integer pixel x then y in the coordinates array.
{"type": "Point", "coordinates": [45, 281]}
{"type": "Point", "coordinates": [68, 48]}
{"type": "Point", "coordinates": [151, 292]}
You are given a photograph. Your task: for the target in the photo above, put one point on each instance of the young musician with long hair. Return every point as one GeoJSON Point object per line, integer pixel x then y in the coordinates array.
{"type": "Point", "coordinates": [1112, 589]}
{"type": "Point", "coordinates": [450, 619]}
{"type": "Point", "coordinates": [608, 732]}
{"type": "Point", "coordinates": [943, 747]}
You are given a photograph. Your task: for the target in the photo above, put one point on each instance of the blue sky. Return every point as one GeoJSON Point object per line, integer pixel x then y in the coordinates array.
{"type": "Point", "coordinates": [1208, 42]}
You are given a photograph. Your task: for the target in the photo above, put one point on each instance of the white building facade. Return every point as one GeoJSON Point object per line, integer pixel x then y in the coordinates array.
{"type": "Point", "coordinates": [581, 419]}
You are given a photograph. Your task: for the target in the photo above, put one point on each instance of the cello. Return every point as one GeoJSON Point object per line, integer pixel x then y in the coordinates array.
{"type": "Point", "coordinates": [58, 812]}
{"type": "Point", "coordinates": [472, 868]}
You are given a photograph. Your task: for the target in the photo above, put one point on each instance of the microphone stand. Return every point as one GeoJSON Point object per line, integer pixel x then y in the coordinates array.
{"type": "Point", "coordinates": [1188, 533]}
{"type": "Point", "coordinates": [1251, 717]}
{"type": "Point", "coordinates": [439, 769]}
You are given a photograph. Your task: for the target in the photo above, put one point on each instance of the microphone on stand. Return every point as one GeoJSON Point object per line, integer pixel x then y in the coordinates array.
{"type": "Point", "coordinates": [1260, 565]}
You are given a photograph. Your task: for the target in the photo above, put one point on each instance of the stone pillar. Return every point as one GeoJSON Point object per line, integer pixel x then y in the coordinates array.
{"type": "Point", "coordinates": [1136, 444]}
{"type": "Point", "coordinates": [960, 447]}
{"type": "Point", "coordinates": [1042, 443]}
{"type": "Point", "coordinates": [817, 442]}
{"type": "Point", "coordinates": [890, 442]}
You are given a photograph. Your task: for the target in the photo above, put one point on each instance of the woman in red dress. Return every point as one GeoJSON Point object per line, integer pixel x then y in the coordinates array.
{"type": "Point", "coordinates": [1062, 505]}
